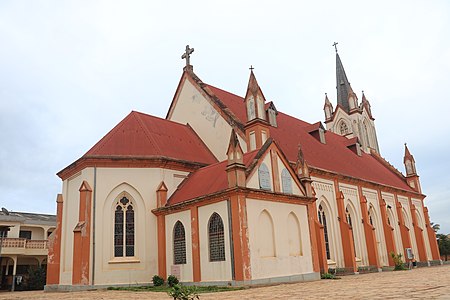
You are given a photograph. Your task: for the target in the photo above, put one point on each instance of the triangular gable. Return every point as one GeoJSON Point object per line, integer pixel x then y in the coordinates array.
{"type": "Point", "coordinates": [209, 94]}
{"type": "Point", "coordinates": [265, 152]}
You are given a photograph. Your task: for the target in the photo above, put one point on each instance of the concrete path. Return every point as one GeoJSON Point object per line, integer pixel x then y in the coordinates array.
{"type": "Point", "coordinates": [422, 283]}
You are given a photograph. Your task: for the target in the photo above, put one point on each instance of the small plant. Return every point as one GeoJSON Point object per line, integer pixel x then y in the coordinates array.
{"type": "Point", "coordinates": [157, 280]}
{"type": "Point", "coordinates": [328, 276]}
{"type": "Point", "coordinates": [172, 280]}
{"type": "Point", "coordinates": [181, 292]}
{"type": "Point", "coordinates": [398, 261]}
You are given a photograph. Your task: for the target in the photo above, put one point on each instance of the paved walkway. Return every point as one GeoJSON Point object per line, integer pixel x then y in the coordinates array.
{"type": "Point", "coordinates": [429, 283]}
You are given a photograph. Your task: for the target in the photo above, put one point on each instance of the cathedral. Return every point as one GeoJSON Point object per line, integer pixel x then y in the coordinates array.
{"type": "Point", "coordinates": [227, 190]}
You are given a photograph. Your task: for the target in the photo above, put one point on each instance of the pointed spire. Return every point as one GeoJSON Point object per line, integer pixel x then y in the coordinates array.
{"type": "Point", "coordinates": [328, 108]}
{"type": "Point", "coordinates": [344, 89]}
{"type": "Point", "coordinates": [234, 152]}
{"type": "Point", "coordinates": [410, 164]}
{"type": "Point", "coordinates": [254, 99]}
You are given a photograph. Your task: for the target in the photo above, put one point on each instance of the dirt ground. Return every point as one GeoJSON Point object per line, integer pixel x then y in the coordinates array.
{"type": "Point", "coordinates": [422, 283]}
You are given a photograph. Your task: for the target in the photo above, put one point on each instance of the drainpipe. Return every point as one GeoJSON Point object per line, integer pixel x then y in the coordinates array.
{"type": "Point", "coordinates": [93, 224]}
{"type": "Point", "coordinates": [230, 232]}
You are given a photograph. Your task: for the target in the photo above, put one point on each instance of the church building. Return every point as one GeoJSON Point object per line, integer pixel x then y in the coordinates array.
{"type": "Point", "coordinates": [229, 190]}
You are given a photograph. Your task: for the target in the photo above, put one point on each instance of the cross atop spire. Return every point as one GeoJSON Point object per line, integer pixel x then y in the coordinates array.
{"type": "Point", "coordinates": [251, 68]}
{"type": "Point", "coordinates": [187, 55]}
{"type": "Point", "coordinates": [335, 46]}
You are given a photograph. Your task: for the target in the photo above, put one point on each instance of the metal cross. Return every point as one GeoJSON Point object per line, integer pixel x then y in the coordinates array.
{"type": "Point", "coordinates": [335, 48]}
{"type": "Point", "coordinates": [187, 54]}
{"type": "Point", "coordinates": [251, 68]}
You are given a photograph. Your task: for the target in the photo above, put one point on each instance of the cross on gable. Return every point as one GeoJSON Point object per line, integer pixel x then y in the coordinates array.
{"type": "Point", "coordinates": [335, 44]}
{"type": "Point", "coordinates": [187, 55]}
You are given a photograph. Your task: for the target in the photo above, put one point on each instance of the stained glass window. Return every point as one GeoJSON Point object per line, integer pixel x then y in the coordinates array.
{"type": "Point", "coordinates": [124, 228]}
{"type": "Point", "coordinates": [216, 238]}
{"type": "Point", "coordinates": [179, 244]}
{"type": "Point", "coordinates": [323, 221]}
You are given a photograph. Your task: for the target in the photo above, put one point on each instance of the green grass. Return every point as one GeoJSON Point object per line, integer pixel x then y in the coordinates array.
{"type": "Point", "coordinates": [165, 288]}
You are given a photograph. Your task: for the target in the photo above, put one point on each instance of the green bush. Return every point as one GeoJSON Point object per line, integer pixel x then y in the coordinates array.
{"type": "Point", "coordinates": [157, 280]}
{"type": "Point", "coordinates": [398, 261]}
{"type": "Point", "coordinates": [36, 278]}
{"type": "Point", "coordinates": [181, 292]}
{"type": "Point", "coordinates": [172, 280]}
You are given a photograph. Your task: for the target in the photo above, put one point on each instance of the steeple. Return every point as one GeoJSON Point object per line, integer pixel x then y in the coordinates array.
{"type": "Point", "coordinates": [366, 104]}
{"type": "Point", "coordinates": [328, 108]}
{"type": "Point", "coordinates": [411, 174]}
{"type": "Point", "coordinates": [254, 99]}
{"type": "Point", "coordinates": [410, 164]}
{"type": "Point", "coordinates": [235, 165]}
{"type": "Point", "coordinates": [257, 128]}
{"type": "Point", "coordinates": [346, 98]}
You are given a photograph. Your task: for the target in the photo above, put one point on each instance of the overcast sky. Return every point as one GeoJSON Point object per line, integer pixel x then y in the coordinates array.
{"type": "Point", "coordinates": [71, 70]}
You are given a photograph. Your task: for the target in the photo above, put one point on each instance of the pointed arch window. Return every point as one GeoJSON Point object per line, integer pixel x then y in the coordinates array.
{"type": "Point", "coordinates": [323, 221]}
{"type": "Point", "coordinates": [264, 177]}
{"type": "Point", "coordinates": [124, 228]}
{"type": "Point", "coordinates": [179, 244]}
{"type": "Point", "coordinates": [216, 238]}
{"type": "Point", "coordinates": [286, 181]}
{"type": "Point", "coordinates": [343, 128]}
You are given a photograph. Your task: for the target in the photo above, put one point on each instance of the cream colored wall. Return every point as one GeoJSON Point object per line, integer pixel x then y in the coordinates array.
{"type": "Point", "coordinates": [139, 185]}
{"type": "Point", "coordinates": [37, 232]}
{"type": "Point", "coordinates": [13, 229]}
{"type": "Point", "coordinates": [219, 270]}
{"type": "Point", "coordinates": [325, 193]}
{"type": "Point", "coordinates": [71, 198]}
{"type": "Point", "coordinates": [405, 203]}
{"type": "Point", "coordinates": [282, 264]}
{"type": "Point", "coordinates": [372, 199]}
{"type": "Point", "coordinates": [419, 206]}
{"type": "Point", "coordinates": [193, 108]}
{"type": "Point", "coordinates": [389, 198]}
{"type": "Point", "coordinates": [186, 270]}
{"type": "Point", "coordinates": [352, 198]}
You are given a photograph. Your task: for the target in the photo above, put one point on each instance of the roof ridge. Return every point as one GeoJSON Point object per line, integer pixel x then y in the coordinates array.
{"type": "Point", "coordinates": [147, 133]}
{"type": "Point", "coordinates": [102, 142]}
{"type": "Point", "coordinates": [387, 164]}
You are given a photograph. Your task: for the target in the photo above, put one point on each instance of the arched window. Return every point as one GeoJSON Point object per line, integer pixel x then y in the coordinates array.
{"type": "Point", "coordinates": [266, 235]}
{"type": "Point", "coordinates": [251, 113]}
{"type": "Point", "coordinates": [343, 128]}
{"type": "Point", "coordinates": [348, 212]}
{"type": "Point", "coordinates": [179, 244]}
{"type": "Point", "coordinates": [264, 177]}
{"type": "Point", "coordinates": [286, 181]}
{"type": "Point", "coordinates": [124, 228]}
{"type": "Point", "coordinates": [216, 238]}
{"type": "Point", "coordinates": [294, 235]}
{"type": "Point", "coordinates": [323, 221]}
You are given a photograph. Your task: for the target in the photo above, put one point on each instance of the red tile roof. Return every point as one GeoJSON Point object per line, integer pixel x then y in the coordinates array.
{"type": "Point", "coordinates": [145, 136]}
{"type": "Point", "coordinates": [207, 180]}
{"type": "Point", "coordinates": [333, 156]}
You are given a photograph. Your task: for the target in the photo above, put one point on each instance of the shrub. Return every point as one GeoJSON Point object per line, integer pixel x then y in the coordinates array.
{"type": "Point", "coordinates": [157, 280]}
{"type": "Point", "coordinates": [398, 261]}
{"type": "Point", "coordinates": [172, 280]}
{"type": "Point", "coordinates": [181, 292]}
{"type": "Point", "coordinates": [36, 278]}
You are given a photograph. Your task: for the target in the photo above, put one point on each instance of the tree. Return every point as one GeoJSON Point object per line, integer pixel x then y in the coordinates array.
{"type": "Point", "coordinates": [444, 245]}
{"type": "Point", "coordinates": [436, 227]}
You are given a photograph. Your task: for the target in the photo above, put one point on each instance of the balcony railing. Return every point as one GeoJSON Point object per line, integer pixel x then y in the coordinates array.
{"type": "Point", "coordinates": [24, 243]}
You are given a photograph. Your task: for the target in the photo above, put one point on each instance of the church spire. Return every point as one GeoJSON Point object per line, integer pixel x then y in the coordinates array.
{"type": "Point", "coordinates": [346, 98]}
{"type": "Point", "coordinates": [410, 164]}
{"type": "Point", "coordinates": [254, 99]}
{"type": "Point", "coordinates": [257, 128]}
{"type": "Point", "coordinates": [411, 173]}
{"type": "Point", "coordinates": [328, 108]}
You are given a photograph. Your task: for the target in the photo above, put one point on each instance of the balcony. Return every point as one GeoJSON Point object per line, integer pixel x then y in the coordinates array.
{"type": "Point", "coordinates": [14, 246]}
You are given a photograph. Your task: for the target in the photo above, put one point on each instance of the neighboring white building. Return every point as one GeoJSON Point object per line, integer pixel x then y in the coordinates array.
{"type": "Point", "coordinates": [24, 243]}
